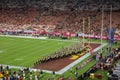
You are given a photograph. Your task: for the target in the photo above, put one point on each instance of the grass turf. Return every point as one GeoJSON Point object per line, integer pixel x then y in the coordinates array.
{"type": "Point", "coordinates": [32, 50]}
{"type": "Point", "coordinates": [24, 52]}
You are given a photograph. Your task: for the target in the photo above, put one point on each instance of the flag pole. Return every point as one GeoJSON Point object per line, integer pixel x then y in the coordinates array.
{"type": "Point", "coordinates": [89, 29]}
{"type": "Point", "coordinates": [111, 17]}
{"type": "Point", "coordinates": [89, 32]}
{"type": "Point", "coordinates": [102, 24]}
{"type": "Point", "coordinates": [83, 30]}
{"type": "Point", "coordinates": [110, 24]}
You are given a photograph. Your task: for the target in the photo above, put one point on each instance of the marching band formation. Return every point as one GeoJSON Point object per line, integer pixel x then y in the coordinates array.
{"type": "Point", "coordinates": [64, 52]}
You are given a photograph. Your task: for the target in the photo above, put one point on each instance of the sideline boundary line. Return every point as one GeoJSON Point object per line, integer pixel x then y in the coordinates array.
{"type": "Point", "coordinates": [44, 38]}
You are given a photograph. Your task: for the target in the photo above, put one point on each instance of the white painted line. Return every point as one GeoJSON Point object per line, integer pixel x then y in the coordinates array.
{"type": "Point", "coordinates": [45, 38]}
{"type": "Point", "coordinates": [18, 59]}
{"type": "Point", "coordinates": [30, 37]}
{"type": "Point", "coordinates": [1, 51]}
{"type": "Point", "coordinates": [17, 67]}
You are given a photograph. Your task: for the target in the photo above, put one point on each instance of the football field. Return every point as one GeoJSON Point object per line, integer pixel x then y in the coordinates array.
{"type": "Point", "coordinates": [24, 52]}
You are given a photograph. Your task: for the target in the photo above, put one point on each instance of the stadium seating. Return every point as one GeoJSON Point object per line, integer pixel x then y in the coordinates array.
{"type": "Point", "coordinates": [57, 19]}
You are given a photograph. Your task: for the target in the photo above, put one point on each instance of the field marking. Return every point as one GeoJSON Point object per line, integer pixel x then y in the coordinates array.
{"type": "Point", "coordinates": [34, 59]}
{"type": "Point", "coordinates": [45, 38]}
{"type": "Point", "coordinates": [11, 39]}
{"type": "Point", "coordinates": [29, 54]}
{"type": "Point", "coordinates": [59, 43]}
{"type": "Point", "coordinates": [10, 66]}
{"type": "Point", "coordinates": [43, 41]}
{"type": "Point", "coordinates": [18, 59]}
{"type": "Point", "coordinates": [1, 51]}
{"type": "Point", "coordinates": [26, 40]}
{"type": "Point", "coordinates": [32, 53]}
{"type": "Point", "coordinates": [24, 37]}
{"type": "Point", "coordinates": [21, 48]}
{"type": "Point", "coordinates": [65, 68]}
{"type": "Point", "coordinates": [13, 49]}
{"type": "Point", "coordinates": [41, 54]}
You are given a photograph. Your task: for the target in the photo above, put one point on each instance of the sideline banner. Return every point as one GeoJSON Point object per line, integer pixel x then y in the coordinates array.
{"type": "Point", "coordinates": [116, 37]}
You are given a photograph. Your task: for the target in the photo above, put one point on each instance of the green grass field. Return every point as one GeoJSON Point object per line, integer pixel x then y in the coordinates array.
{"type": "Point", "coordinates": [24, 52]}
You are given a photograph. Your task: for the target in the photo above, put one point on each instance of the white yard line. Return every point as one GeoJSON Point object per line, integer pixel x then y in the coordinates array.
{"type": "Point", "coordinates": [44, 38]}
{"type": "Point", "coordinates": [1, 51]}
{"type": "Point", "coordinates": [24, 37]}
{"type": "Point", "coordinates": [10, 66]}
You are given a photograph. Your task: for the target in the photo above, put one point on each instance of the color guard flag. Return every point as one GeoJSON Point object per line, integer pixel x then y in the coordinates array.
{"type": "Point", "coordinates": [91, 50]}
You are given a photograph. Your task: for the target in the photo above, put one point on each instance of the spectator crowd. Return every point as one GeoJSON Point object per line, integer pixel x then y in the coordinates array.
{"type": "Point", "coordinates": [109, 63]}
{"type": "Point", "coordinates": [63, 18]}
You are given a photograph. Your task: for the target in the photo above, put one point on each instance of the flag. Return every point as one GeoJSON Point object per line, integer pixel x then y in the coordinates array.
{"type": "Point", "coordinates": [110, 35]}
{"type": "Point", "coordinates": [91, 50]}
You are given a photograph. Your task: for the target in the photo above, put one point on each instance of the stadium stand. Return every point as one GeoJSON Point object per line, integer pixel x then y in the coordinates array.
{"type": "Point", "coordinates": [110, 62]}
{"type": "Point", "coordinates": [55, 19]}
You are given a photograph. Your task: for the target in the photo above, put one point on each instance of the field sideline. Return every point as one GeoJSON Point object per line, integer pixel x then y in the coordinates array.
{"type": "Point", "coordinates": [24, 52]}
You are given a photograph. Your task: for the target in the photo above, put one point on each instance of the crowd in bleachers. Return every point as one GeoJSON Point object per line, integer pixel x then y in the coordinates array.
{"type": "Point", "coordinates": [31, 15]}
{"type": "Point", "coordinates": [61, 4]}
{"type": "Point", "coordinates": [56, 16]}
{"type": "Point", "coordinates": [21, 21]}
{"type": "Point", "coordinates": [7, 73]}
{"type": "Point", "coordinates": [95, 4]}
{"type": "Point", "coordinates": [109, 63]}
{"type": "Point", "coordinates": [30, 20]}
{"type": "Point", "coordinates": [14, 19]}
{"type": "Point", "coordinates": [75, 22]}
